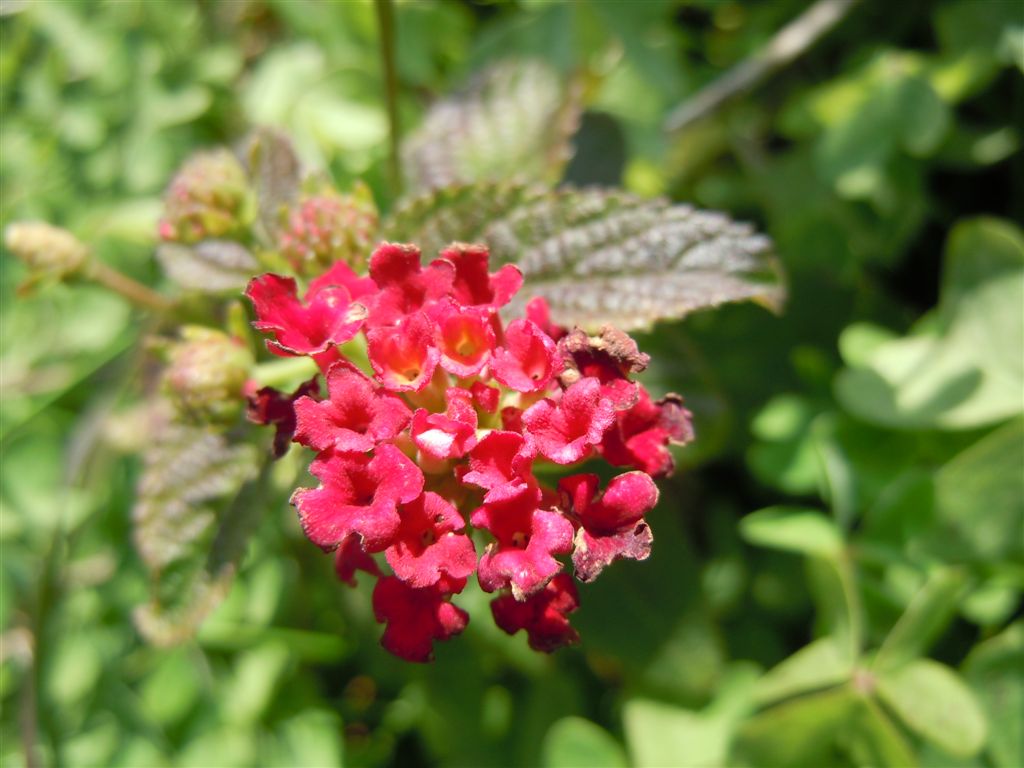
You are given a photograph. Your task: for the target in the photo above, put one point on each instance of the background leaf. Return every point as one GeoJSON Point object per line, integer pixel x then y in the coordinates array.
{"type": "Point", "coordinates": [513, 121]}
{"type": "Point", "coordinates": [212, 266]}
{"type": "Point", "coordinates": [573, 742]}
{"type": "Point", "coordinates": [600, 256]}
{"type": "Point", "coordinates": [189, 525]}
{"type": "Point", "coordinates": [935, 702]}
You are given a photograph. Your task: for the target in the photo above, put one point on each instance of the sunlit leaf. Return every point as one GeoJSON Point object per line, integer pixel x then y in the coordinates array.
{"type": "Point", "coordinates": [821, 664]}
{"type": "Point", "coordinates": [801, 732]}
{"type": "Point", "coordinates": [995, 671]}
{"type": "Point", "coordinates": [573, 742]}
{"type": "Point", "coordinates": [514, 121]}
{"type": "Point", "coordinates": [600, 256]}
{"type": "Point", "coordinates": [978, 494]}
{"type": "Point", "coordinates": [927, 615]}
{"type": "Point", "coordinates": [934, 701]}
{"type": "Point", "coordinates": [963, 366]}
{"type": "Point", "coordinates": [796, 530]}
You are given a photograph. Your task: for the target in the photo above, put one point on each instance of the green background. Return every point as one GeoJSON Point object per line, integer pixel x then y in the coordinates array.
{"type": "Point", "coordinates": [853, 507]}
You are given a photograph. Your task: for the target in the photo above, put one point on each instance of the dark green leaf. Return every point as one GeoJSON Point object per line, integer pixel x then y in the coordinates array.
{"type": "Point", "coordinates": [601, 256]}
{"type": "Point", "coordinates": [512, 122]}
{"type": "Point", "coordinates": [191, 525]}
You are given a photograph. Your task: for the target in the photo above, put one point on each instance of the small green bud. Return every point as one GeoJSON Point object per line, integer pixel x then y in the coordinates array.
{"type": "Point", "coordinates": [209, 197]}
{"type": "Point", "coordinates": [328, 227]}
{"type": "Point", "coordinates": [49, 251]}
{"type": "Point", "coordinates": [205, 374]}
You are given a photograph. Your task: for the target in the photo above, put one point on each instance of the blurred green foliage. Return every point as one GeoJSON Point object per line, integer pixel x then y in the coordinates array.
{"type": "Point", "coordinates": [838, 568]}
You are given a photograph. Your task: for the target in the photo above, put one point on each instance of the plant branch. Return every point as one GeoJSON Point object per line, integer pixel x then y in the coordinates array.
{"type": "Point", "coordinates": [132, 290]}
{"type": "Point", "coordinates": [790, 42]}
{"type": "Point", "coordinates": [386, 24]}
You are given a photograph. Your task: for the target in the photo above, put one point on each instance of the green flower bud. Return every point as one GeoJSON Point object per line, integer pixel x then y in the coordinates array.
{"type": "Point", "coordinates": [208, 198]}
{"type": "Point", "coordinates": [206, 372]}
{"type": "Point", "coordinates": [326, 228]}
{"type": "Point", "coordinates": [49, 251]}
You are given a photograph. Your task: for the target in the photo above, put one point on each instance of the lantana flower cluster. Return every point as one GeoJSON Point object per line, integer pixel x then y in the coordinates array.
{"type": "Point", "coordinates": [427, 456]}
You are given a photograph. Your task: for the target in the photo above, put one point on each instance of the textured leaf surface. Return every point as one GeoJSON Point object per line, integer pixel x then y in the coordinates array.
{"type": "Point", "coordinates": [513, 121]}
{"type": "Point", "coordinates": [190, 525]}
{"type": "Point", "coordinates": [212, 266]}
{"type": "Point", "coordinates": [600, 256]}
{"type": "Point", "coordinates": [276, 173]}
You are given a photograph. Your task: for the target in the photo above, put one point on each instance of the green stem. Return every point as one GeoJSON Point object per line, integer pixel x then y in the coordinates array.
{"type": "Point", "coordinates": [386, 24]}
{"type": "Point", "coordinates": [132, 290]}
{"type": "Point", "coordinates": [288, 371]}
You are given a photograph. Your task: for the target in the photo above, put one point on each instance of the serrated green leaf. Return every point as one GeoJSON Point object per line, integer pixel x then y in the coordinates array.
{"type": "Point", "coordinates": [821, 664]}
{"type": "Point", "coordinates": [573, 742]}
{"type": "Point", "coordinates": [212, 266]}
{"type": "Point", "coordinates": [600, 256]}
{"type": "Point", "coordinates": [190, 525]}
{"type": "Point", "coordinates": [806, 531]}
{"type": "Point", "coordinates": [514, 121]}
{"type": "Point", "coordinates": [934, 701]}
{"type": "Point", "coordinates": [929, 612]}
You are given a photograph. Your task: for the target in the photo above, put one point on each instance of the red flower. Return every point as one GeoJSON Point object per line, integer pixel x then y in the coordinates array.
{"type": "Point", "coordinates": [417, 617]}
{"type": "Point", "coordinates": [528, 360]}
{"type": "Point", "coordinates": [473, 285]}
{"type": "Point", "coordinates": [543, 615]}
{"type": "Point", "coordinates": [501, 463]}
{"type": "Point", "coordinates": [484, 397]}
{"type": "Point", "coordinates": [527, 538]}
{"type": "Point", "coordinates": [538, 311]}
{"type": "Point", "coordinates": [271, 406]}
{"type": "Point", "coordinates": [464, 338]}
{"type": "Point", "coordinates": [404, 356]}
{"type": "Point", "coordinates": [355, 417]}
{"type": "Point", "coordinates": [404, 286]}
{"type": "Point", "coordinates": [326, 317]}
{"type": "Point", "coordinates": [612, 526]}
{"type": "Point", "coordinates": [565, 431]}
{"type": "Point", "coordinates": [357, 494]}
{"type": "Point", "coordinates": [427, 546]}
{"type": "Point", "coordinates": [349, 557]}
{"type": "Point", "coordinates": [342, 274]}
{"type": "Point", "coordinates": [447, 435]}
{"type": "Point", "coordinates": [640, 436]}
{"type": "Point", "coordinates": [609, 357]}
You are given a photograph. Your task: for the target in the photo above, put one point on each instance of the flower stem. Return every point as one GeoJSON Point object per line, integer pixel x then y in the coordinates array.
{"type": "Point", "coordinates": [132, 290]}
{"type": "Point", "coordinates": [386, 24]}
